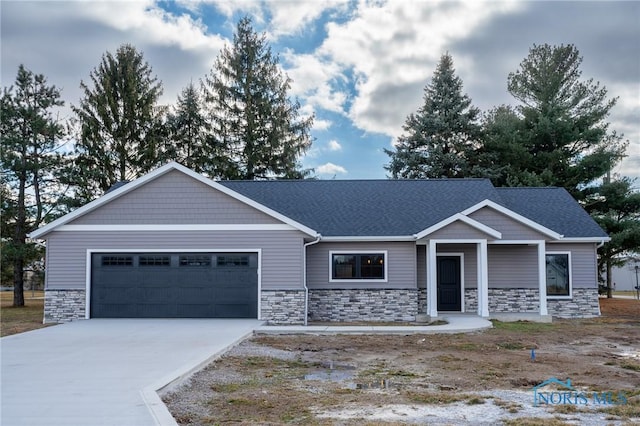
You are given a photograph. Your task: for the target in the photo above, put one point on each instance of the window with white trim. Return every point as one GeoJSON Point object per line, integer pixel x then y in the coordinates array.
{"type": "Point", "coordinates": [364, 266]}
{"type": "Point", "coordinates": [558, 270]}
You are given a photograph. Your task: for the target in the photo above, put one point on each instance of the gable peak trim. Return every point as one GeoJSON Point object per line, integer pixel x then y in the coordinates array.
{"type": "Point", "coordinates": [513, 215]}
{"type": "Point", "coordinates": [461, 218]}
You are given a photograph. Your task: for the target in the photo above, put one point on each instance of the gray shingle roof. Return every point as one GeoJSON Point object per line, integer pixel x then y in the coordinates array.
{"type": "Point", "coordinates": [406, 207]}
{"type": "Point", "coordinates": [553, 208]}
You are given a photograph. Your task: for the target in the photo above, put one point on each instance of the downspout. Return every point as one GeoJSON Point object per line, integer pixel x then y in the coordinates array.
{"type": "Point", "coordinates": [304, 275]}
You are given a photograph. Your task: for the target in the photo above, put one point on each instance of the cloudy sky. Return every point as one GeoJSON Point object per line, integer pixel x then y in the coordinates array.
{"type": "Point", "coordinates": [360, 66]}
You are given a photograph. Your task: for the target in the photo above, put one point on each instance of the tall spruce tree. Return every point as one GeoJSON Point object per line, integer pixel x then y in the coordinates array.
{"type": "Point", "coordinates": [188, 134]}
{"type": "Point", "coordinates": [438, 140]}
{"type": "Point", "coordinates": [119, 125]}
{"type": "Point", "coordinates": [563, 130]}
{"type": "Point", "coordinates": [251, 115]}
{"type": "Point", "coordinates": [30, 138]}
{"type": "Point", "coordinates": [615, 205]}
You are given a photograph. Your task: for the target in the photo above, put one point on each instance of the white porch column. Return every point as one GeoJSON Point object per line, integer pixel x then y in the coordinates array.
{"type": "Point", "coordinates": [432, 280]}
{"type": "Point", "coordinates": [542, 277]}
{"type": "Point", "coordinates": [483, 279]}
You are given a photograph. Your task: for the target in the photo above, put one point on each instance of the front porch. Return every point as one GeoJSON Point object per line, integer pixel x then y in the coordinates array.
{"type": "Point", "coordinates": [488, 278]}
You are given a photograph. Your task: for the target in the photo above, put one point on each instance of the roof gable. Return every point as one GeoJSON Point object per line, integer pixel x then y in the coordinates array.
{"type": "Point", "coordinates": [122, 191]}
{"type": "Point", "coordinates": [174, 198]}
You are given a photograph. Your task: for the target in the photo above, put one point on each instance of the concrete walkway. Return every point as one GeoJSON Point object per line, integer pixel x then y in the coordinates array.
{"type": "Point", "coordinates": [456, 323]}
{"type": "Point", "coordinates": [105, 372]}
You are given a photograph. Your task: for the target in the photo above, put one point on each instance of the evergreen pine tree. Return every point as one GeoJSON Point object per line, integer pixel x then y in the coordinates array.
{"type": "Point", "coordinates": [188, 132]}
{"type": "Point", "coordinates": [119, 124]}
{"type": "Point", "coordinates": [563, 130]}
{"type": "Point", "coordinates": [438, 140]}
{"type": "Point", "coordinates": [251, 116]}
{"type": "Point", "coordinates": [30, 138]}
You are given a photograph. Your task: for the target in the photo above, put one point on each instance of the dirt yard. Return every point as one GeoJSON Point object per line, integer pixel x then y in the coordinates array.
{"type": "Point", "coordinates": [461, 379]}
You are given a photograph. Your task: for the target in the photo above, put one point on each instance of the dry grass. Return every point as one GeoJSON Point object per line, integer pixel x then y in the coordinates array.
{"type": "Point", "coordinates": [25, 318]}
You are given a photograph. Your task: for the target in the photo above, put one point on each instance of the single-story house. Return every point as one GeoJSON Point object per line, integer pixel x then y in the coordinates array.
{"type": "Point", "coordinates": [176, 244]}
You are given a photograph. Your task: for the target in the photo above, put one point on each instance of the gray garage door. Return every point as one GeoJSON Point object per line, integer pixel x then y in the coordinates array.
{"type": "Point", "coordinates": [174, 285]}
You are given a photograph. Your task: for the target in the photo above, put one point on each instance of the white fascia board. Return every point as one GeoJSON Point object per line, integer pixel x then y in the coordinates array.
{"type": "Point", "coordinates": [462, 218]}
{"type": "Point", "coordinates": [582, 240]}
{"type": "Point", "coordinates": [153, 175]}
{"type": "Point", "coordinates": [178, 227]}
{"type": "Point", "coordinates": [513, 215]}
{"type": "Point", "coordinates": [367, 238]}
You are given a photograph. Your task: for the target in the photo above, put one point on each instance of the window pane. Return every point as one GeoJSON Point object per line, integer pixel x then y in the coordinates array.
{"type": "Point", "coordinates": [233, 260]}
{"type": "Point", "coordinates": [195, 260]}
{"type": "Point", "coordinates": [117, 260]}
{"type": "Point", "coordinates": [557, 274]}
{"type": "Point", "coordinates": [154, 260]}
{"type": "Point", "coordinates": [372, 266]}
{"type": "Point", "coordinates": [344, 266]}
{"type": "Point", "coordinates": [358, 266]}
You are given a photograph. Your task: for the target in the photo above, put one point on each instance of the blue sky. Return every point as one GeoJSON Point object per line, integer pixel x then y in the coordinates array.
{"type": "Point", "coordinates": [359, 66]}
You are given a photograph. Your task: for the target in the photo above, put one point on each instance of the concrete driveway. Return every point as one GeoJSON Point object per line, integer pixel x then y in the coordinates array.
{"type": "Point", "coordinates": [105, 372]}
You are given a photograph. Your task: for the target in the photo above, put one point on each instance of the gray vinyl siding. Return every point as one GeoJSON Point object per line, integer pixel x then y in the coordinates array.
{"type": "Point", "coordinates": [174, 198]}
{"type": "Point", "coordinates": [510, 228]}
{"type": "Point", "coordinates": [457, 230]}
{"type": "Point", "coordinates": [401, 265]}
{"type": "Point", "coordinates": [281, 252]}
{"type": "Point", "coordinates": [583, 263]}
{"type": "Point", "coordinates": [513, 266]}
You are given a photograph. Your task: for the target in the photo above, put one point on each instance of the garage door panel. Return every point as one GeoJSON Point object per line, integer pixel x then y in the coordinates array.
{"type": "Point", "coordinates": [234, 311]}
{"type": "Point", "coordinates": [174, 285]}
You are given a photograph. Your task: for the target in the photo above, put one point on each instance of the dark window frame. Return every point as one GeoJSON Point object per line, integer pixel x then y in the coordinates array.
{"type": "Point", "coordinates": [553, 273]}
{"type": "Point", "coordinates": [361, 269]}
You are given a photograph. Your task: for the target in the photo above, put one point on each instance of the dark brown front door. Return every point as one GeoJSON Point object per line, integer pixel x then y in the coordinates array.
{"type": "Point", "coordinates": [449, 283]}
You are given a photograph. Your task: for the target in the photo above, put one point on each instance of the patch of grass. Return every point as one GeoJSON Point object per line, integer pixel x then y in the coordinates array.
{"type": "Point", "coordinates": [522, 326]}
{"type": "Point", "coordinates": [448, 358]}
{"type": "Point", "coordinates": [402, 373]}
{"type": "Point", "coordinates": [534, 421]}
{"type": "Point", "coordinates": [512, 346]}
{"type": "Point", "coordinates": [475, 401]}
{"type": "Point", "coordinates": [437, 397]}
{"type": "Point", "coordinates": [565, 409]}
{"type": "Point", "coordinates": [630, 409]}
{"type": "Point", "coordinates": [632, 367]}
{"type": "Point", "coordinates": [14, 320]}
{"type": "Point", "coordinates": [468, 346]}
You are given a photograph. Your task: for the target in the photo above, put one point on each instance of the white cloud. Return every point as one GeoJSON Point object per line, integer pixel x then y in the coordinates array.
{"type": "Point", "coordinates": [151, 24]}
{"type": "Point", "coordinates": [393, 47]}
{"type": "Point", "coordinates": [315, 79]}
{"type": "Point", "coordinates": [320, 125]}
{"type": "Point", "coordinates": [330, 169]}
{"type": "Point", "coordinates": [288, 17]}
{"type": "Point", "coordinates": [334, 145]}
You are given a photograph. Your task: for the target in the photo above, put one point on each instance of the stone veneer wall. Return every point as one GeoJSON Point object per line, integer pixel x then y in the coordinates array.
{"type": "Point", "coordinates": [64, 305]}
{"type": "Point", "coordinates": [519, 300]}
{"type": "Point", "coordinates": [584, 303]}
{"type": "Point", "coordinates": [363, 305]}
{"type": "Point", "coordinates": [504, 300]}
{"type": "Point", "coordinates": [423, 306]}
{"type": "Point", "coordinates": [282, 306]}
